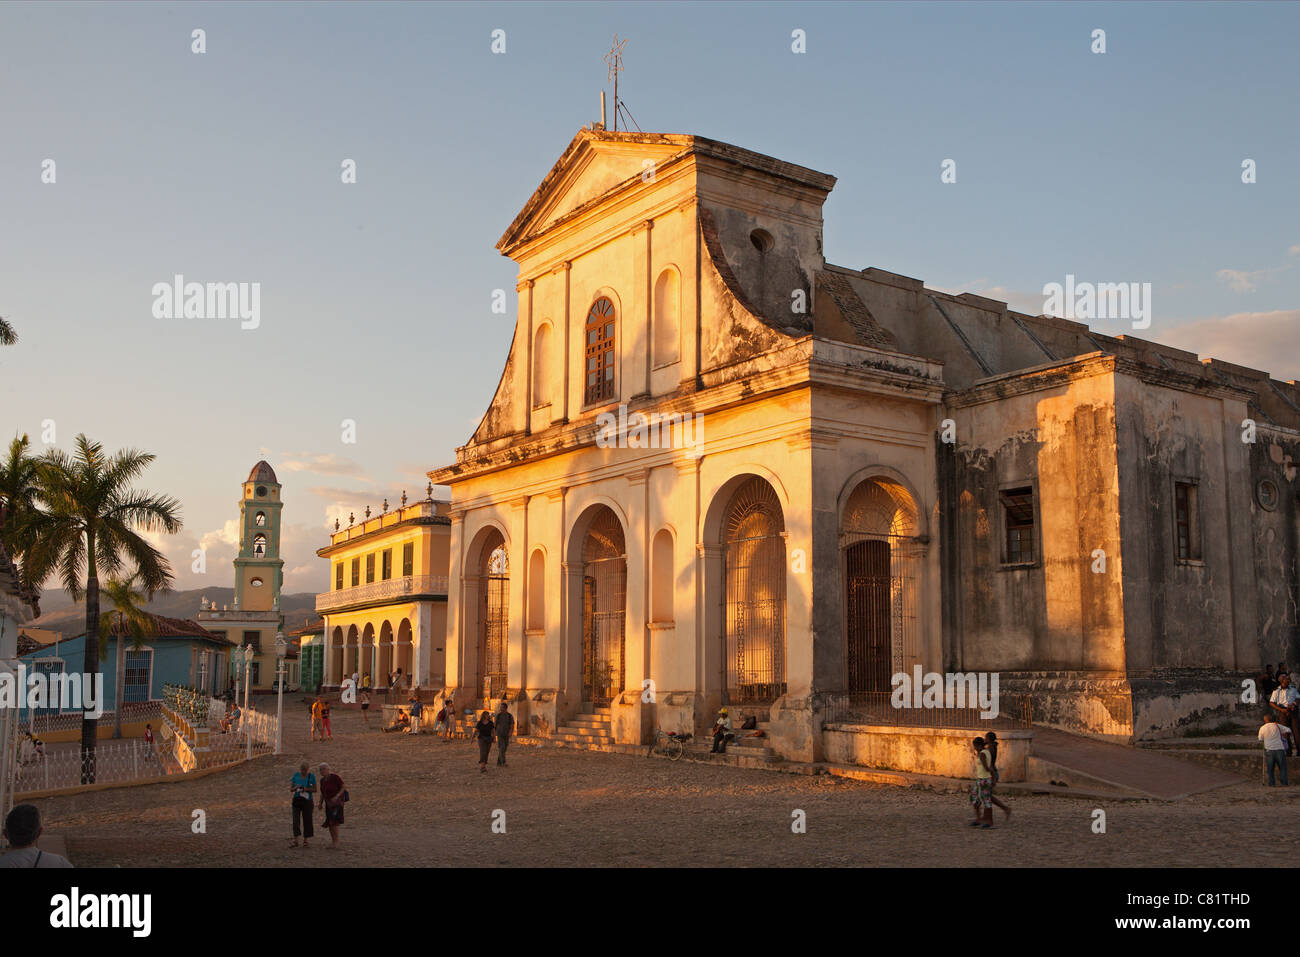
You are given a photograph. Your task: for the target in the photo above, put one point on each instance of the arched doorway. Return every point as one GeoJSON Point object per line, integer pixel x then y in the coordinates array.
{"type": "Point", "coordinates": [366, 662]}
{"type": "Point", "coordinates": [604, 597]}
{"type": "Point", "coordinates": [405, 655]}
{"type": "Point", "coordinates": [878, 538]}
{"type": "Point", "coordinates": [753, 575]}
{"type": "Point", "coordinates": [335, 675]}
{"type": "Point", "coordinates": [350, 655]}
{"type": "Point", "coordinates": [494, 617]}
{"type": "Point", "coordinates": [380, 677]}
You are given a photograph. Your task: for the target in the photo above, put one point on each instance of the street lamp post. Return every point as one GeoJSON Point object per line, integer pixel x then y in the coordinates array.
{"type": "Point", "coordinates": [248, 673]}
{"type": "Point", "coordinates": [281, 646]}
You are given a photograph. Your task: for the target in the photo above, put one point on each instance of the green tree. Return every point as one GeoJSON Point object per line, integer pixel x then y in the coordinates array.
{"type": "Point", "coordinates": [127, 619]}
{"type": "Point", "coordinates": [7, 334]}
{"type": "Point", "coordinates": [18, 511]}
{"type": "Point", "coordinates": [91, 520]}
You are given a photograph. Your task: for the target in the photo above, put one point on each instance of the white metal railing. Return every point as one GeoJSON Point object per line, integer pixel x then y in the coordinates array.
{"type": "Point", "coordinates": [116, 762]}
{"type": "Point", "coordinates": [394, 588]}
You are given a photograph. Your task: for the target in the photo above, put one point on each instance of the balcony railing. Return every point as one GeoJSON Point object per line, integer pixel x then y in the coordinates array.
{"type": "Point", "coordinates": [425, 509]}
{"type": "Point", "coordinates": [394, 589]}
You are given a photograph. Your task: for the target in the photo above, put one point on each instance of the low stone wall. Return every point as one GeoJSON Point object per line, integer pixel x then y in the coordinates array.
{"type": "Point", "coordinates": [942, 751]}
{"type": "Point", "coordinates": [1166, 703]}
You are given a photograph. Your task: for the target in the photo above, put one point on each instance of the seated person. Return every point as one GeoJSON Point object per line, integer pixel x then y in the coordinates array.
{"type": "Point", "coordinates": [401, 723]}
{"type": "Point", "coordinates": [231, 719]}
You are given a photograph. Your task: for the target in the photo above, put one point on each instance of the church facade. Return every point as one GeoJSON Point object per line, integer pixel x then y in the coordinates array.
{"type": "Point", "coordinates": [718, 469]}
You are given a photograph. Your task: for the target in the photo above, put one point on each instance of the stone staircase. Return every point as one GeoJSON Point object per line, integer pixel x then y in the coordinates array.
{"type": "Point", "coordinates": [589, 729]}
{"type": "Point", "coordinates": [742, 752]}
{"type": "Point", "coordinates": [1232, 746]}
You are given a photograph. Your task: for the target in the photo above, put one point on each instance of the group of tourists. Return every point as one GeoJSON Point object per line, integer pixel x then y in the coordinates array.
{"type": "Point", "coordinates": [333, 795]}
{"type": "Point", "coordinates": [1280, 732]}
{"type": "Point", "coordinates": [490, 728]}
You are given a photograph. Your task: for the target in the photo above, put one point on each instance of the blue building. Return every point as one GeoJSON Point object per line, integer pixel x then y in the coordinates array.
{"type": "Point", "coordinates": [181, 652]}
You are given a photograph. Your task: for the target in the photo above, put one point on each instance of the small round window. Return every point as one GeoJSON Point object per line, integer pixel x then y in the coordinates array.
{"type": "Point", "coordinates": [256, 582]}
{"type": "Point", "coordinates": [761, 239]}
{"type": "Point", "coordinates": [1267, 495]}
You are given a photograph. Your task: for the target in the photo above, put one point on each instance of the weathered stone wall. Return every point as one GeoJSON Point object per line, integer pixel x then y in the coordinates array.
{"type": "Point", "coordinates": [1275, 525]}
{"type": "Point", "coordinates": [940, 751]}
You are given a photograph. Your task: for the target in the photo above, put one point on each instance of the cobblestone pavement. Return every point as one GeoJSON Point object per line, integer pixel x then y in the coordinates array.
{"type": "Point", "coordinates": [420, 802]}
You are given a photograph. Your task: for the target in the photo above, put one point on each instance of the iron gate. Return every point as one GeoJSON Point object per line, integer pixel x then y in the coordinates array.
{"type": "Point", "coordinates": [753, 573]}
{"type": "Point", "coordinates": [870, 641]}
{"type": "Point", "coordinates": [604, 594]}
{"type": "Point", "coordinates": [494, 613]}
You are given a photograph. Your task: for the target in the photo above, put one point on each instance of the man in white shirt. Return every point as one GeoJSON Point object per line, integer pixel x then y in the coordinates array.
{"type": "Point", "coordinates": [22, 828]}
{"type": "Point", "coordinates": [1282, 703]}
{"type": "Point", "coordinates": [1275, 735]}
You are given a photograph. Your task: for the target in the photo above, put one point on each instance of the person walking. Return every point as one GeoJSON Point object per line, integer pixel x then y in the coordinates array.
{"type": "Point", "coordinates": [505, 726]}
{"type": "Point", "coordinates": [1283, 702]}
{"type": "Point", "coordinates": [303, 786]}
{"type": "Point", "coordinates": [991, 745]}
{"type": "Point", "coordinates": [316, 728]}
{"type": "Point", "coordinates": [450, 728]}
{"type": "Point", "coordinates": [365, 706]}
{"type": "Point", "coordinates": [365, 682]}
{"type": "Point", "coordinates": [483, 732]}
{"type": "Point", "coordinates": [1274, 734]}
{"type": "Point", "coordinates": [417, 709]}
{"type": "Point", "coordinates": [325, 720]}
{"type": "Point", "coordinates": [332, 798]}
{"type": "Point", "coordinates": [981, 789]}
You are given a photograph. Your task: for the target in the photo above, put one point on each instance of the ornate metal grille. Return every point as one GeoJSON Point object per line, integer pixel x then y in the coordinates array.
{"type": "Point", "coordinates": [600, 351]}
{"type": "Point", "coordinates": [494, 617]}
{"type": "Point", "coordinates": [881, 552]}
{"type": "Point", "coordinates": [754, 595]}
{"type": "Point", "coordinates": [604, 593]}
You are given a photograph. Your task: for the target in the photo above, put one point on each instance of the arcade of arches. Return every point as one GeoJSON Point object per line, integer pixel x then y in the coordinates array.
{"type": "Point", "coordinates": [620, 616]}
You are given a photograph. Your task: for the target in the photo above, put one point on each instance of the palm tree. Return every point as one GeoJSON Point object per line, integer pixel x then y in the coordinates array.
{"type": "Point", "coordinates": [18, 512]}
{"type": "Point", "coordinates": [7, 334]}
{"type": "Point", "coordinates": [128, 619]}
{"type": "Point", "coordinates": [91, 519]}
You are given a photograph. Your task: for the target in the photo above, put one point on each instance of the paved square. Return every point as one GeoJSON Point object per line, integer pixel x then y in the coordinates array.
{"type": "Point", "coordinates": [420, 802]}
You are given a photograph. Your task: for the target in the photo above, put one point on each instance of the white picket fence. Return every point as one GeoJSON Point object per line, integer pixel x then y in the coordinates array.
{"type": "Point", "coordinates": [116, 762]}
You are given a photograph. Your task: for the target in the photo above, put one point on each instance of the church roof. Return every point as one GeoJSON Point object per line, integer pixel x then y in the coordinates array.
{"type": "Point", "coordinates": [262, 472]}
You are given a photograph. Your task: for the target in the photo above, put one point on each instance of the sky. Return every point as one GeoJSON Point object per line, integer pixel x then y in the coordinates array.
{"type": "Point", "coordinates": [375, 296]}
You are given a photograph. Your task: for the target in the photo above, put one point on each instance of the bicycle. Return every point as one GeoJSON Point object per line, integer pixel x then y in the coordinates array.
{"type": "Point", "coordinates": [671, 744]}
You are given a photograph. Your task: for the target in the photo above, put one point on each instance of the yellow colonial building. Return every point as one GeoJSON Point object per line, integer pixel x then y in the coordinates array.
{"type": "Point", "coordinates": [387, 604]}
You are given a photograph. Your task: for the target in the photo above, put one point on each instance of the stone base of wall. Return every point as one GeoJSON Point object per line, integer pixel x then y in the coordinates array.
{"type": "Point", "coordinates": [631, 719]}
{"type": "Point", "coordinates": [795, 729]}
{"type": "Point", "coordinates": [940, 751]}
{"type": "Point", "coordinates": [1167, 703]}
{"type": "Point", "coordinates": [1099, 704]}
{"type": "Point", "coordinates": [681, 711]}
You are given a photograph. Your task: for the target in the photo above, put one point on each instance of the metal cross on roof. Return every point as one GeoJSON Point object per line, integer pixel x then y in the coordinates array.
{"type": "Point", "coordinates": [614, 58]}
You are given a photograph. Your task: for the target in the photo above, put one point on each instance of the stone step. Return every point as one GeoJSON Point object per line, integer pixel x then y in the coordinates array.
{"type": "Point", "coordinates": [568, 734]}
{"type": "Point", "coordinates": [1245, 742]}
{"type": "Point", "coordinates": [589, 721]}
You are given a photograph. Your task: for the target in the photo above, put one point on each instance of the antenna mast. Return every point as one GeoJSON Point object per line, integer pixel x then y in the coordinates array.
{"type": "Point", "coordinates": [614, 59]}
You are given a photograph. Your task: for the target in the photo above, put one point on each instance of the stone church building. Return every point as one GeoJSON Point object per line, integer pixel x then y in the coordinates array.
{"type": "Point", "coordinates": [848, 475]}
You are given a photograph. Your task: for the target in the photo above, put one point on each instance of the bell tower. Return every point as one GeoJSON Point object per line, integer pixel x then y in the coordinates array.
{"type": "Point", "coordinates": [259, 569]}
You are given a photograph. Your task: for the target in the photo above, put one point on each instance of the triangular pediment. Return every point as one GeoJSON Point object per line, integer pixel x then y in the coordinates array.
{"type": "Point", "coordinates": [595, 162]}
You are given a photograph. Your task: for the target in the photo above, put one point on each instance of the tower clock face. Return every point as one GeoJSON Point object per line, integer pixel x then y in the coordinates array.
{"type": "Point", "coordinates": [261, 491]}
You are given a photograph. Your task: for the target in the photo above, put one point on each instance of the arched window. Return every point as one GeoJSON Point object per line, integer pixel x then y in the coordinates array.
{"type": "Point", "coordinates": [537, 591]}
{"type": "Point", "coordinates": [667, 313]}
{"type": "Point", "coordinates": [259, 519]}
{"type": "Point", "coordinates": [542, 366]}
{"type": "Point", "coordinates": [599, 352]}
{"type": "Point", "coordinates": [754, 584]}
{"type": "Point", "coordinates": [259, 545]}
{"type": "Point", "coordinates": [661, 577]}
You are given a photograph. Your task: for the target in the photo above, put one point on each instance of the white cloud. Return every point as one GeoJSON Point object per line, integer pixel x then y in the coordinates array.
{"type": "Point", "coordinates": [1239, 281]}
{"type": "Point", "coordinates": [1257, 340]}
{"type": "Point", "coordinates": [322, 463]}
